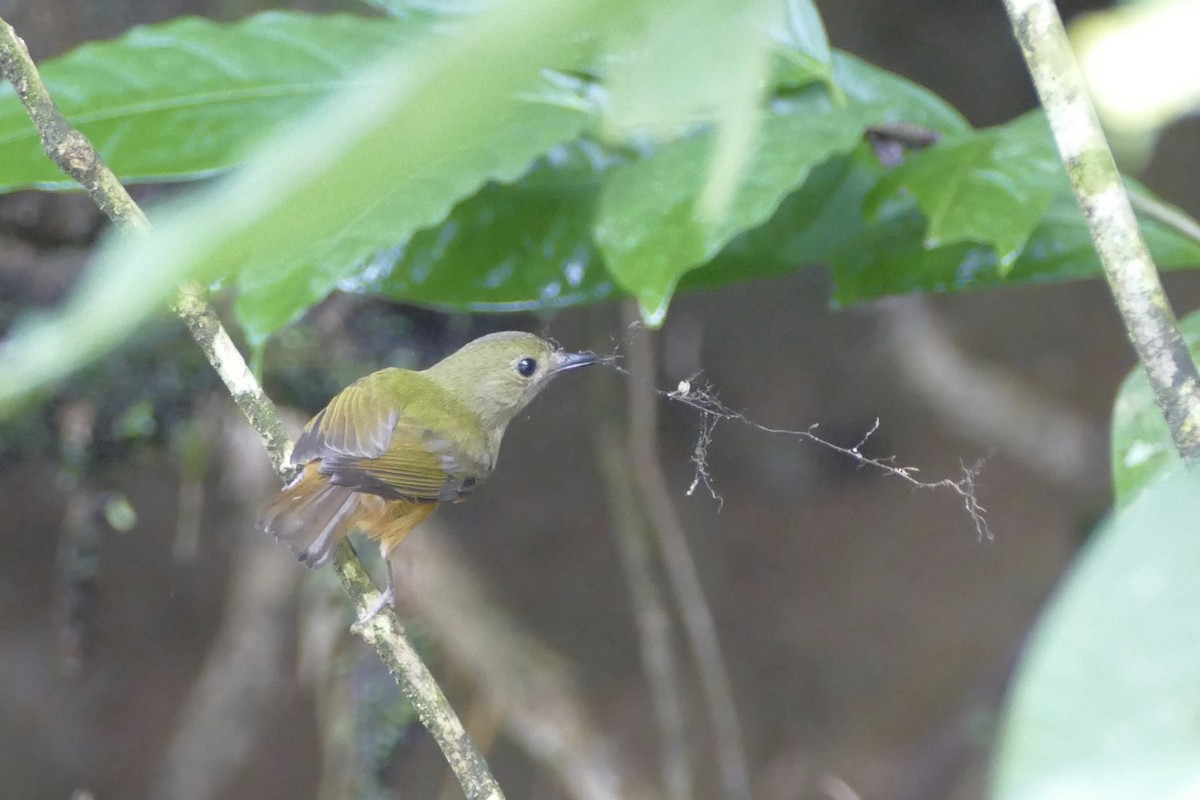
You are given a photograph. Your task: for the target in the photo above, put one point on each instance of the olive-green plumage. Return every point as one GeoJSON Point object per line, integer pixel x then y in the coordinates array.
{"type": "Point", "coordinates": [392, 445]}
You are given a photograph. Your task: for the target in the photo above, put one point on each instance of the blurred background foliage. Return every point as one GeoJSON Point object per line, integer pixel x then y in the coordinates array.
{"type": "Point", "coordinates": [357, 183]}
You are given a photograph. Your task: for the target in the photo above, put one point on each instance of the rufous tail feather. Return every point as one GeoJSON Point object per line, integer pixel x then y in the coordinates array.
{"type": "Point", "coordinates": [313, 515]}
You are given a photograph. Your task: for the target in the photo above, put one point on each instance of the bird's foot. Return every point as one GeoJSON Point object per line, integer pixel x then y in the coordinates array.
{"type": "Point", "coordinates": [386, 598]}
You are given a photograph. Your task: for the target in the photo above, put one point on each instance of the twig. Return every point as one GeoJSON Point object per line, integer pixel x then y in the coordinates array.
{"type": "Point", "coordinates": [891, 141]}
{"type": "Point", "coordinates": [384, 633]}
{"type": "Point", "coordinates": [69, 149]}
{"type": "Point", "coordinates": [681, 568]}
{"type": "Point", "coordinates": [912, 136]}
{"type": "Point", "coordinates": [1132, 278]}
{"type": "Point", "coordinates": [82, 533]}
{"type": "Point", "coordinates": [702, 399]}
{"type": "Point", "coordinates": [75, 155]}
{"type": "Point", "coordinates": [202, 322]}
{"type": "Point", "coordinates": [1174, 218]}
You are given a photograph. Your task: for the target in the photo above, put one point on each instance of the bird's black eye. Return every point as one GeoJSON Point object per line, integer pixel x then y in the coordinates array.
{"type": "Point", "coordinates": [526, 367]}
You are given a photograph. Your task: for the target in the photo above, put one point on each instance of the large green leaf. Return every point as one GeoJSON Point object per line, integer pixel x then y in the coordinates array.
{"type": "Point", "coordinates": [990, 187]}
{"type": "Point", "coordinates": [808, 226]}
{"type": "Point", "coordinates": [528, 244]}
{"type": "Point", "coordinates": [903, 100]}
{"type": "Point", "coordinates": [488, 254]}
{"type": "Point", "coordinates": [423, 129]}
{"type": "Point", "coordinates": [693, 62]}
{"type": "Point", "coordinates": [1142, 448]}
{"type": "Point", "coordinates": [891, 256]}
{"type": "Point", "coordinates": [187, 97]}
{"type": "Point", "coordinates": [1104, 703]}
{"type": "Point", "coordinates": [688, 61]}
{"type": "Point", "coordinates": [273, 291]}
{"type": "Point", "coordinates": [647, 224]}
{"type": "Point", "coordinates": [511, 247]}
{"type": "Point", "coordinates": [801, 30]}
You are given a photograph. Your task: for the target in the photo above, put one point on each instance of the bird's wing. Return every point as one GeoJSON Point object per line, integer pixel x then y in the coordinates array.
{"type": "Point", "coordinates": [374, 437]}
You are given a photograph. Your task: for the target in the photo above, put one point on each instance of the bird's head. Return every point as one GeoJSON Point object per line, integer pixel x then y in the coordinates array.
{"type": "Point", "coordinates": [497, 375]}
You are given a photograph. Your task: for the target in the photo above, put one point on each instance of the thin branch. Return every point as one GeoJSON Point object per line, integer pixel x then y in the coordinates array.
{"type": "Point", "coordinates": [76, 156]}
{"type": "Point", "coordinates": [192, 306]}
{"type": "Point", "coordinates": [1132, 278]}
{"type": "Point", "coordinates": [1174, 218]}
{"type": "Point", "coordinates": [702, 399]}
{"type": "Point", "coordinates": [81, 537]}
{"type": "Point", "coordinates": [69, 149]}
{"type": "Point", "coordinates": [681, 568]}
{"type": "Point", "coordinates": [384, 633]}
{"type": "Point", "coordinates": [912, 136]}
{"type": "Point", "coordinates": [891, 141]}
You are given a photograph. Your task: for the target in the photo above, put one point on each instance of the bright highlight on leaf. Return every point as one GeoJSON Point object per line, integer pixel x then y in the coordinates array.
{"type": "Point", "coordinates": [276, 285]}
{"type": "Point", "coordinates": [1139, 62]}
{"type": "Point", "coordinates": [511, 247]}
{"type": "Point", "coordinates": [415, 127]}
{"type": "Point", "coordinates": [1142, 449]}
{"type": "Point", "coordinates": [1104, 703]}
{"type": "Point", "coordinates": [461, 173]}
{"type": "Point", "coordinates": [188, 98]}
{"type": "Point", "coordinates": [990, 187]}
{"type": "Point", "coordinates": [647, 226]}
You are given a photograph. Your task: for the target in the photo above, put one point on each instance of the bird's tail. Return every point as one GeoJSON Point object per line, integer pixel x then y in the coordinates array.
{"type": "Point", "coordinates": [313, 516]}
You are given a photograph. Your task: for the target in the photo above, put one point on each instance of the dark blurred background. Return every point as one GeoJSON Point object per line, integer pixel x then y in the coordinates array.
{"type": "Point", "coordinates": [868, 629]}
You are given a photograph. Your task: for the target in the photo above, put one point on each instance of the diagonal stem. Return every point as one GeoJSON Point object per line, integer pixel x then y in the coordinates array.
{"type": "Point", "coordinates": [71, 151]}
{"type": "Point", "coordinates": [1132, 277]}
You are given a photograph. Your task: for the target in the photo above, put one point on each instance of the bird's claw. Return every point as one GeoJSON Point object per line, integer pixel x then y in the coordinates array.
{"type": "Point", "coordinates": [386, 598]}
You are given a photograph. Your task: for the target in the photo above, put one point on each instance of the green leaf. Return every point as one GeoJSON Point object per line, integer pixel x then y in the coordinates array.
{"type": "Point", "coordinates": [801, 55]}
{"type": "Point", "coordinates": [511, 247]}
{"type": "Point", "coordinates": [1142, 448]}
{"type": "Point", "coordinates": [421, 130]}
{"type": "Point", "coordinates": [687, 61]}
{"type": "Point", "coordinates": [406, 9]}
{"type": "Point", "coordinates": [802, 31]}
{"type": "Point", "coordinates": [691, 62]}
{"type": "Point", "coordinates": [187, 97]}
{"type": "Point", "coordinates": [272, 291]}
{"type": "Point", "coordinates": [990, 187]}
{"type": "Point", "coordinates": [903, 100]}
{"type": "Point", "coordinates": [647, 224]}
{"type": "Point", "coordinates": [1104, 702]}
{"type": "Point", "coordinates": [808, 226]}
{"type": "Point", "coordinates": [890, 257]}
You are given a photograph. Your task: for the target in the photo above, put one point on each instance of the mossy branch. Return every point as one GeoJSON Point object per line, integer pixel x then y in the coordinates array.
{"type": "Point", "coordinates": [71, 151]}
{"type": "Point", "coordinates": [1132, 277]}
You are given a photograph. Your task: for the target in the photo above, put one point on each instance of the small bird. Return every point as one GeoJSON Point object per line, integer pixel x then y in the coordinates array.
{"type": "Point", "coordinates": [393, 445]}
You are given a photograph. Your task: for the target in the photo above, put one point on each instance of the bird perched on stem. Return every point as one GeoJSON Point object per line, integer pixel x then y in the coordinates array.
{"type": "Point", "coordinates": [393, 445]}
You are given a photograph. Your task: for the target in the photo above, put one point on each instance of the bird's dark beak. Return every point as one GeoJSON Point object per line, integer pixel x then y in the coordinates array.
{"type": "Point", "coordinates": [565, 361]}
